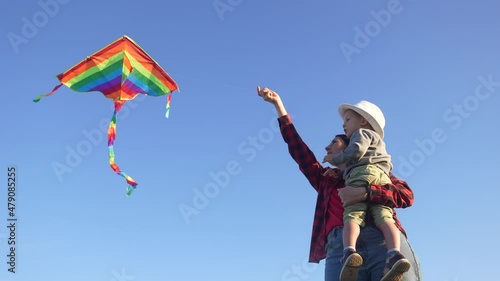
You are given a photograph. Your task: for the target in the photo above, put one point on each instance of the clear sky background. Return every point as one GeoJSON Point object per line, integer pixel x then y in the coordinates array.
{"type": "Point", "coordinates": [432, 66]}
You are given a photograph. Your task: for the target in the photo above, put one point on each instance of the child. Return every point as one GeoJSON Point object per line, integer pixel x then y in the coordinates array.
{"type": "Point", "coordinates": [367, 163]}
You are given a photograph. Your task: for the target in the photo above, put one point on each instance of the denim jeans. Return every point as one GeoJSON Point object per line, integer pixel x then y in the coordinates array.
{"type": "Point", "coordinates": [371, 246]}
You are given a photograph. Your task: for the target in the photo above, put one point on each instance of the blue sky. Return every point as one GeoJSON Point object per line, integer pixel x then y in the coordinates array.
{"type": "Point", "coordinates": [432, 66]}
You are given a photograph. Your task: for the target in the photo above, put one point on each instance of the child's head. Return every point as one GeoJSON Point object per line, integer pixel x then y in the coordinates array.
{"type": "Point", "coordinates": [365, 115]}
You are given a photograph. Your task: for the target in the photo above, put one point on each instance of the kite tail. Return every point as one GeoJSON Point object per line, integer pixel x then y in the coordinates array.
{"type": "Point", "coordinates": [111, 140]}
{"type": "Point", "coordinates": [39, 97]}
{"type": "Point", "coordinates": [169, 97]}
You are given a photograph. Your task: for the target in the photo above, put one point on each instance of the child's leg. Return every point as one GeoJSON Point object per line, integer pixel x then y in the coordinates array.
{"type": "Point", "coordinates": [351, 260]}
{"type": "Point", "coordinates": [396, 264]}
{"type": "Point", "coordinates": [350, 235]}
{"type": "Point", "coordinates": [383, 218]}
{"type": "Point", "coordinates": [391, 235]}
{"type": "Point", "coordinates": [354, 217]}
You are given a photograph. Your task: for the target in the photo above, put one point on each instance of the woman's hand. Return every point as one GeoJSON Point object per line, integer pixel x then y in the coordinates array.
{"type": "Point", "coordinates": [268, 95]}
{"type": "Point", "coordinates": [351, 195]}
{"type": "Point", "coordinates": [272, 97]}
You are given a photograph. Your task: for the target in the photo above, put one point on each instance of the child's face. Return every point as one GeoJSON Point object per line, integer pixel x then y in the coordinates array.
{"type": "Point", "coordinates": [352, 122]}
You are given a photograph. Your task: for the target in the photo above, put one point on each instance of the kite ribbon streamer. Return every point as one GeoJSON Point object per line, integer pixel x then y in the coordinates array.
{"type": "Point", "coordinates": [111, 140]}
{"type": "Point", "coordinates": [39, 97]}
{"type": "Point", "coordinates": [169, 97]}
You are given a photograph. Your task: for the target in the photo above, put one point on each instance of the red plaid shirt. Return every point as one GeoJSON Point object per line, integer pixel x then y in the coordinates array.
{"type": "Point", "coordinates": [329, 209]}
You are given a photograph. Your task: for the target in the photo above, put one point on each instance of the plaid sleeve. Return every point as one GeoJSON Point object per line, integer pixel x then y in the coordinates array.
{"type": "Point", "coordinates": [395, 195]}
{"type": "Point", "coordinates": [303, 156]}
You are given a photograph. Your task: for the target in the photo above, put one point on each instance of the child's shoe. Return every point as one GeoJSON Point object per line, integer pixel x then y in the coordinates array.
{"type": "Point", "coordinates": [395, 268]}
{"type": "Point", "coordinates": [351, 262]}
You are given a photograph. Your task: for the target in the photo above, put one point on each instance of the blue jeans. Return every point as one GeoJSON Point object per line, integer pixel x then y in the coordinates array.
{"type": "Point", "coordinates": [371, 246]}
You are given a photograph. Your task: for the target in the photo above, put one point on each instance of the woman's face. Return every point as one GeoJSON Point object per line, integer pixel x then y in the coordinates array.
{"type": "Point", "coordinates": [336, 146]}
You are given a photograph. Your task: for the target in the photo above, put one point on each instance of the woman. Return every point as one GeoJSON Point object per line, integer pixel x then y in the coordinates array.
{"type": "Point", "coordinates": [326, 240]}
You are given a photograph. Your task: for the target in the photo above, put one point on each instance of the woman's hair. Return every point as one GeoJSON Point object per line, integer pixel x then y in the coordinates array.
{"type": "Point", "coordinates": [344, 138]}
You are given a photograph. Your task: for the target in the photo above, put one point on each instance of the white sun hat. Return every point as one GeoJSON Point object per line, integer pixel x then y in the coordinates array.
{"type": "Point", "coordinates": [370, 112]}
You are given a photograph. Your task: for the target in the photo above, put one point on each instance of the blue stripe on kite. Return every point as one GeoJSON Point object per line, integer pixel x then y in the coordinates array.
{"type": "Point", "coordinates": [146, 89]}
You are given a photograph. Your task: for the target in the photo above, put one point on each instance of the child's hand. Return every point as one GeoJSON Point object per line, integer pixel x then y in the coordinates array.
{"type": "Point", "coordinates": [268, 95]}
{"type": "Point", "coordinates": [328, 158]}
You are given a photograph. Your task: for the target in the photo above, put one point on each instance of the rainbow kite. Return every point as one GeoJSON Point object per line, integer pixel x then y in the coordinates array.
{"type": "Point", "coordinates": [120, 71]}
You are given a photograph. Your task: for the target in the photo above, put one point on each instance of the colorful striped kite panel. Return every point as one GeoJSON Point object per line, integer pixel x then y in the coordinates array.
{"type": "Point", "coordinates": [120, 71]}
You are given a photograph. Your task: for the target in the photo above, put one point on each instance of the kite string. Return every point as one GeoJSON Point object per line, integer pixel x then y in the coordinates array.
{"type": "Point", "coordinates": [111, 140]}
{"type": "Point", "coordinates": [214, 83]}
